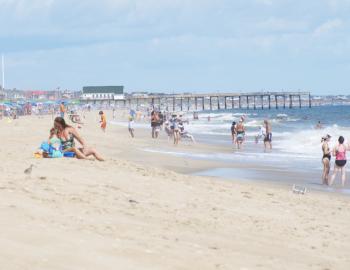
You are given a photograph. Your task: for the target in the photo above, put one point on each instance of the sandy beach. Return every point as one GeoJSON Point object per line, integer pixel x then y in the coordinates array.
{"type": "Point", "coordinates": [138, 210]}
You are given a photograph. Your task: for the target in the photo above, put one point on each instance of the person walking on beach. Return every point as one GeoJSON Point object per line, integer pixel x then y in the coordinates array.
{"type": "Point", "coordinates": [154, 123]}
{"type": "Point", "coordinates": [103, 121]}
{"type": "Point", "coordinates": [158, 126]}
{"type": "Point", "coordinates": [340, 161]}
{"type": "Point", "coordinates": [168, 130]}
{"type": "Point", "coordinates": [174, 125]}
{"type": "Point", "coordinates": [240, 134]}
{"type": "Point", "coordinates": [62, 109]}
{"type": "Point", "coordinates": [326, 159]}
{"type": "Point", "coordinates": [268, 135]}
{"type": "Point", "coordinates": [131, 126]}
{"type": "Point", "coordinates": [67, 134]}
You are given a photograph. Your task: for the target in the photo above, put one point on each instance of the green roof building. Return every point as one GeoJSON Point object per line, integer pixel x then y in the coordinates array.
{"type": "Point", "coordinates": [118, 90]}
{"type": "Point", "coordinates": [103, 93]}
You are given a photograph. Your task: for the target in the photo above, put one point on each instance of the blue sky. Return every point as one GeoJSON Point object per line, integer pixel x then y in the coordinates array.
{"type": "Point", "coordinates": [177, 45]}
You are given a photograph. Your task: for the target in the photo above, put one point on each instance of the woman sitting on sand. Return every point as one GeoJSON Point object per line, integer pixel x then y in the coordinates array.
{"type": "Point", "coordinates": [340, 161]}
{"type": "Point", "coordinates": [67, 134]}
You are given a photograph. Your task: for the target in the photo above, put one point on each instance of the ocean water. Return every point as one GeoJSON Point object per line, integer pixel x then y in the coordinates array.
{"type": "Point", "coordinates": [296, 142]}
{"type": "Point", "coordinates": [293, 129]}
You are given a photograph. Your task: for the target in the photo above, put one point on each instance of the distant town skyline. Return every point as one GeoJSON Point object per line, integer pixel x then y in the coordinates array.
{"type": "Point", "coordinates": [177, 46]}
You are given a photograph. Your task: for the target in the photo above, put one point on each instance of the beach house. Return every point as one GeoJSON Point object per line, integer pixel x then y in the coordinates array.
{"type": "Point", "coordinates": [102, 94]}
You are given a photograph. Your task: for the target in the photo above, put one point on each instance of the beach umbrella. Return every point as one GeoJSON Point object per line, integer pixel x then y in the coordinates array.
{"type": "Point", "coordinates": [73, 102]}
{"type": "Point", "coordinates": [49, 102]}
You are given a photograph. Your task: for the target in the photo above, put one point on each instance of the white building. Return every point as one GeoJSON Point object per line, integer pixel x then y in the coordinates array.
{"type": "Point", "coordinates": [102, 93]}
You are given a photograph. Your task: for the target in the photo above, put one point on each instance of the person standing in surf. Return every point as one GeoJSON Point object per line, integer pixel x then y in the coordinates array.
{"type": "Point", "coordinates": [268, 135]}
{"type": "Point", "coordinates": [340, 161]}
{"type": "Point", "coordinates": [233, 132]}
{"type": "Point", "coordinates": [240, 134]}
{"type": "Point", "coordinates": [326, 159]}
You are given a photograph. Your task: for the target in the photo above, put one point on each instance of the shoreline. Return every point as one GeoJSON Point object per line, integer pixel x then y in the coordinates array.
{"type": "Point", "coordinates": [188, 159]}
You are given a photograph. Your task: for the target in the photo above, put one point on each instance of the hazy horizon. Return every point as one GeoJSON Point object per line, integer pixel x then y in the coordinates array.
{"type": "Point", "coordinates": [177, 46]}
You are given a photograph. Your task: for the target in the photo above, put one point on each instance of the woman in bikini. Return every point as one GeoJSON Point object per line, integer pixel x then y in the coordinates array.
{"type": "Point", "coordinates": [326, 159]}
{"type": "Point", "coordinates": [233, 132]}
{"type": "Point", "coordinates": [67, 134]}
{"type": "Point", "coordinates": [340, 161]}
{"type": "Point", "coordinates": [240, 137]}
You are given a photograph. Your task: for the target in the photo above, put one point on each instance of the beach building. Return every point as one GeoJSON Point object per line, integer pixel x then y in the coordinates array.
{"type": "Point", "coordinates": [42, 95]}
{"type": "Point", "coordinates": [103, 94]}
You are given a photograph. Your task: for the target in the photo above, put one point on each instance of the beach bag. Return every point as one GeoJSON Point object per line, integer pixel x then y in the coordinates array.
{"type": "Point", "coordinates": [51, 151]}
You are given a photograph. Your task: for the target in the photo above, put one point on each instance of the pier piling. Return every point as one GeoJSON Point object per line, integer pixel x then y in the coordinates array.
{"type": "Point", "coordinates": [162, 101]}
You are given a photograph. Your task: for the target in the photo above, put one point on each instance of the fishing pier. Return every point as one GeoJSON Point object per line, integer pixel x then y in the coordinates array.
{"type": "Point", "coordinates": [221, 101]}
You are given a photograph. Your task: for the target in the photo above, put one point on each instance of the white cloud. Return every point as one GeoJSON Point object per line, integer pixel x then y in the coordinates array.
{"type": "Point", "coordinates": [327, 27]}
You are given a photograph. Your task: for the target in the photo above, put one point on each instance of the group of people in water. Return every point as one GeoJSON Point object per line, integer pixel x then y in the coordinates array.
{"type": "Point", "coordinates": [339, 152]}
{"type": "Point", "coordinates": [238, 133]}
{"type": "Point", "coordinates": [172, 124]}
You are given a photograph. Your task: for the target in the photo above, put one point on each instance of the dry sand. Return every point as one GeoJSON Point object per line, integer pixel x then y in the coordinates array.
{"type": "Point", "coordinates": [129, 213]}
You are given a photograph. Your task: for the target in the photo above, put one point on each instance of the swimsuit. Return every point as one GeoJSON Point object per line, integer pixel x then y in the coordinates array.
{"type": "Point", "coordinates": [268, 137]}
{"type": "Point", "coordinates": [327, 156]}
{"type": "Point", "coordinates": [68, 143]}
{"type": "Point", "coordinates": [340, 158]}
{"type": "Point", "coordinates": [240, 135]}
{"type": "Point", "coordinates": [340, 163]}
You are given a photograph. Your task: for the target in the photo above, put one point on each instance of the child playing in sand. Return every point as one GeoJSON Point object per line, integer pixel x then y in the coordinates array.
{"type": "Point", "coordinates": [131, 126]}
{"type": "Point", "coordinates": [103, 121]}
